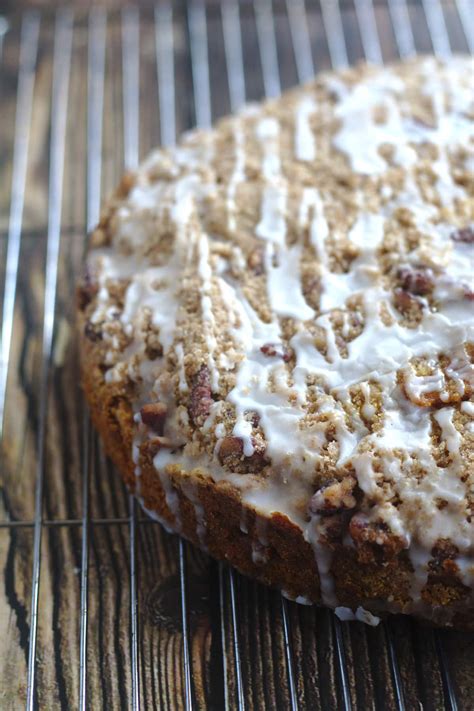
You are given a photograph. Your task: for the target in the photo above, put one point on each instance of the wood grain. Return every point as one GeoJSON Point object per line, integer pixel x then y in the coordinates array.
{"type": "Point", "coordinates": [259, 612]}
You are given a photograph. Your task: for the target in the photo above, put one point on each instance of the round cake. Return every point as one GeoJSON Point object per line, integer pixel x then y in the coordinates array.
{"type": "Point", "coordinates": [277, 337]}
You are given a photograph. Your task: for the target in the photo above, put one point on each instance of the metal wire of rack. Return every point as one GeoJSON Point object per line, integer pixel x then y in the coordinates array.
{"type": "Point", "coordinates": [195, 18]}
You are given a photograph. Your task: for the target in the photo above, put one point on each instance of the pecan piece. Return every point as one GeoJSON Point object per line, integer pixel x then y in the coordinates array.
{"type": "Point", "coordinates": [153, 415]}
{"type": "Point", "coordinates": [373, 539]}
{"type": "Point", "coordinates": [416, 281]}
{"type": "Point", "coordinates": [276, 350]}
{"type": "Point", "coordinates": [255, 261]}
{"type": "Point", "coordinates": [231, 453]}
{"type": "Point", "coordinates": [334, 497]}
{"type": "Point", "coordinates": [465, 234]}
{"type": "Point", "coordinates": [230, 446]}
{"type": "Point", "coordinates": [253, 417]}
{"type": "Point", "coordinates": [93, 331]}
{"type": "Point", "coordinates": [444, 563]}
{"type": "Point", "coordinates": [200, 399]}
{"type": "Point", "coordinates": [153, 353]}
{"type": "Point", "coordinates": [406, 303]}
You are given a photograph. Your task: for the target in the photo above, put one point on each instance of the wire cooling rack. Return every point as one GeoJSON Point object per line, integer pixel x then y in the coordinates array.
{"type": "Point", "coordinates": [100, 608]}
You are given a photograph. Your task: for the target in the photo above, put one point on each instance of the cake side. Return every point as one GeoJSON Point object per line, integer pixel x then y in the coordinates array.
{"type": "Point", "coordinates": [276, 322]}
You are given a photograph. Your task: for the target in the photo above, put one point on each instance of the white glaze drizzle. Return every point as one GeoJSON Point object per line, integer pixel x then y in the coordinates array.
{"type": "Point", "coordinates": [183, 385]}
{"type": "Point", "coordinates": [272, 225]}
{"type": "Point", "coordinates": [305, 144]}
{"type": "Point", "coordinates": [238, 175]}
{"type": "Point", "coordinates": [361, 615]}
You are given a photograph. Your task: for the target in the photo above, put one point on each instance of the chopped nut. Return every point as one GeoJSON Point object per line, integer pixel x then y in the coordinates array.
{"type": "Point", "coordinates": [253, 417]}
{"type": "Point", "coordinates": [200, 398]}
{"type": "Point", "coordinates": [153, 353]}
{"type": "Point", "coordinates": [93, 331]}
{"type": "Point", "coordinates": [374, 539]}
{"type": "Point", "coordinates": [231, 453]}
{"type": "Point", "coordinates": [406, 303]}
{"type": "Point", "coordinates": [465, 234]}
{"type": "Point", "coordinates": [230, 446]}
{"type": "Point", "coordinates": [416, 281]}
{"type": "Point", "coordinates": [153, 415]}
{"type": "Point", "coordinates": [443, 564]}
{"type": "Point", "coordinates": [334, 497]}
{"type": "Point", "coordinates": [444, 549]}
{"type": "Point", "coordinates": [255, 261]}
{"type": "Point", "coordinates": [153, 348]}
{"type": "Point", "coordinates": [277, 350]}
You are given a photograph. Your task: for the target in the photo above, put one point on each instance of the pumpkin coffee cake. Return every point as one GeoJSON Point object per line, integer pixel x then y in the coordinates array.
{"type": "Point", "coordinates": [277, 339]}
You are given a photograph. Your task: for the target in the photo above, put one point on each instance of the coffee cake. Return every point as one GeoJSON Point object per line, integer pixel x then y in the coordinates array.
{"type": "Point", "coordinates": [277, 339]}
